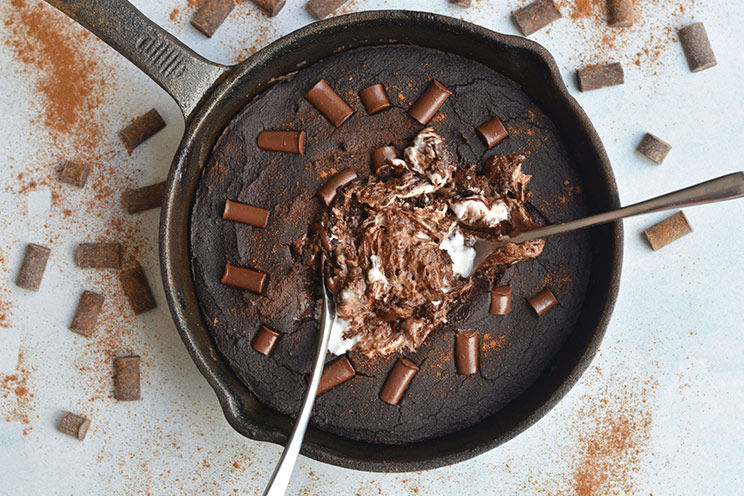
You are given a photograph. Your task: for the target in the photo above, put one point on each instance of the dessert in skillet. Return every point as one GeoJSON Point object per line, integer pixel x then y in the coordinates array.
{"type": "Point", "coordinates": [391, 161]}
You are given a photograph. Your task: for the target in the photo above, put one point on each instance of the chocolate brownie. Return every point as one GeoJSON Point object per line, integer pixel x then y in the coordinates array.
{"type": "Point", "coordinates": [514, 349]}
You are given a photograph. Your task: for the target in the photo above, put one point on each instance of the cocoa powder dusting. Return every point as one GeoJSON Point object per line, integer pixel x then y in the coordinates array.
{"type": "Point", "coordinates": [17, 403]}
{"type": "Point", "coordinates": [608, 433]}
{"type": "Point", "coordinates": [647, 44]}
{"type": "Point", "coordinates": [72, 72]}
{"type": "Point", "coordinates": [615, 434]}
{"type": "Point", "coordinates": [5, 305]}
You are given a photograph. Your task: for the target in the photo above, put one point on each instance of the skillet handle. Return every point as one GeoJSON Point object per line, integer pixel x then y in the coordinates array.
{"type": "Point", "coordinates": [180, 71]}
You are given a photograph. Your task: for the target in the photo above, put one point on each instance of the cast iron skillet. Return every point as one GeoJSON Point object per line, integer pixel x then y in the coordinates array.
{"type": "Point", "coordinates": [210, 95]}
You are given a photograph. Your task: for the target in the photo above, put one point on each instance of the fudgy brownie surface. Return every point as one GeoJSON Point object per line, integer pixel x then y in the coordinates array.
{"type": "Point", "coordinates": [515, 349]}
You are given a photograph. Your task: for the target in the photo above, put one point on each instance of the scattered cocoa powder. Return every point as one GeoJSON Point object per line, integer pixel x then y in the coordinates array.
{"type": "Point", "coordinates": [613, 437]}
{"type": "Point", "coordinates": [647, 44]}
{"type": "Point", "coordinates": [72, 72]}
{"type": "Point", "coordinates": [17, 403]}
{"type": "Point", "coordinates": [5, 304]}
{"type": "Point", "coordinates": [490, 343]}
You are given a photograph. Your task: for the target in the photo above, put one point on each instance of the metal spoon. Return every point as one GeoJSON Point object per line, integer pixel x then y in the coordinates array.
{"type": "Point", "coordinates": [283, 471]}
{"type": "Point", "coordinates": [726, 187]}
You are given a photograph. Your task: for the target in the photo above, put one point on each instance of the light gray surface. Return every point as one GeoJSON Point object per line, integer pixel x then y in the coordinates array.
{"type": "Point", "coordinates": [666, 388]}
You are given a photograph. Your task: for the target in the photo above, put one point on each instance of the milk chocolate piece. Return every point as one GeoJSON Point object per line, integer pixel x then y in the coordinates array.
{"type": "Point", "coordinates": [620, 13]}
{"type": "Point", "coordinates": [321, 9]}
{"type": "Point", "coordinates": [543, 301]}
{"type": "Point", "coordinates": [74, 173]}
{"type": "Point", "coordinates": [654, 148]}
{"type": "Point", "coordinates": [242, 278]}
{"type": "Point", "coordinates": [334, 374]}
{"type": "Point", "coordinates": [398, 380]}
{"type": "Point", "coordinates": [595, 77]}
{"type": "Point", "coordinates": [270, 7]}
{"type": "Point", "coordinates": [141, 129]}
{"type": "Point", "coordinates": [98, 256]}
{"type": "Point", "coordinates": [501, 300]}
{"type": "Point", "coordinates": [429, 103]}
{"type": "Point", "coordinates": [137, 290]}
{"type": "Point", "coordinates": [328, 192]}
{"type": "Point", "coordinates": [33, 266]}
{"type": "Point", "coordinates": [320, 231]}
{"type": "Point", "coordinates": [282, 141]}
{"type": "Point", "coordinates": [381, 156]}
{"type": "Point", "coordinates": [74, 425]}
{"type": "Point", "coordinates": [461, 3]}
{"type": "Point", "coordinates": [669, 230]}
{"type": "Point", "coordinates": [375, 99]}
{"type": "Point", "coordinates": [697, 47]}
{"type": "Point", "coordinates": [141, 199]}
{"type": "Point", "coordinates": [245, 214]}
{"type": "Point", "coordinates": [535, 16]}
{"type": "Point", "coordinates": [211, 15]}
{"type": "Point", "coordinates": [86, 315]}
{"type": "Point", "coordinates": [492, 132]}
{"type": "Point", "coordinates": [328, 103]}
{"type": "Point", "coordinates": [264, 340]}
{"type": "Point", "coordinates": [127, 378]}
{"type": "Point", "coordinates": [466, 352]}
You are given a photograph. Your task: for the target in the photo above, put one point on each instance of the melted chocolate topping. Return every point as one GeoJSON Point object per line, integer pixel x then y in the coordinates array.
{"type": "Point", "coordinates": [402, 243]}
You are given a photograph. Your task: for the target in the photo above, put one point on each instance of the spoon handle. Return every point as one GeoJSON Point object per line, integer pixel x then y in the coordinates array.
{"type": "Point", "coordinates": [280, 478]}
{"type": "Point", "coordinates": [726, 187]}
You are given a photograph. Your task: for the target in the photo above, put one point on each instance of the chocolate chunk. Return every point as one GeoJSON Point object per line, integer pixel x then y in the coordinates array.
{"type": "Point", "coordinates": [264, 340]}
{"type": "Point", "coordinates": [429, 103]}
{"type": "Point", "coordinates": [127, 378]}
{"type": "Point", "coordinates": [595, 77]}
{"type": "Point", "coordinates": [33, 267]}
{"type": "Point", "coordinates": [270, 7]}
{"type": "Point", "coordinates": [298, 245]}
{"type": "Point", "coordinates": [381, 156]}
{"type": "Point", "coordinates": [501, 300]}
{"type": "Point", "coordinates": [242, 278]}
{"type": "Point", "coordinates": [535, 16]}
{"type": "Point", "coordinates": [466, 352]}
{"type": "Point", "coordinates": [141, 199]}
{"type": "Point", "coordinates": [375, 99]}
{"type": "Point", "coordinates": [492, 132]}
{"type": "Point", "coordinates": [320, 231]}
{"type": "Point", "coordinates": [334, 374]}
{"type": "Point", "coordinates": [697, 47]}
{"type": "Point", "coordinates": [461, 3]}
{"type": "Point", "coordinates": [620, 13]}
{"type": "Point", "coordinates": [282, 141]}
{"type": "Point", "coordinates": [245, 214]}
{"type": "Point", "coordinates": [328, 192]}
{"type": "Point", "coordinates": [98, 256]}
{"type": "Point", "coordinates": [654, 148]}
{"type": "Point", "coordinates": [211, 15]}
{"type": "Point", "coordinates": [669, 230]}
{"type": "Point", "coordinates": [398, 380]}
{"type": "Point", "coordinates": [74, 173]}
{"type": "Point", "coordinates": [141, 129]}
{"type": "Point", "coordinates": [543, 301]}
{"type": "Point", "coordinates": [74, 425]}
{"type": "Point", "coordinates": [328, 103]}
{"type": "Point", "coordinates": [87, 312]}
{"type": "Point", "coordinates": [321, 9]}
{"type": "Point", "coordinates": [136, 288]}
